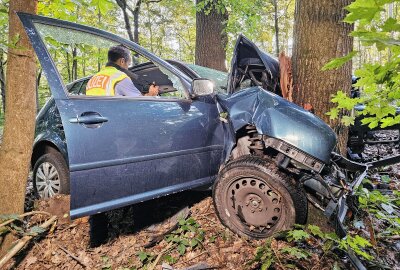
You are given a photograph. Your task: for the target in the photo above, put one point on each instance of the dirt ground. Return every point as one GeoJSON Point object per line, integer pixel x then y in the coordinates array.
{"type": "Point", "coordinates": [131, 229]}
{"type": "Point", "coordinates": [220, 249]}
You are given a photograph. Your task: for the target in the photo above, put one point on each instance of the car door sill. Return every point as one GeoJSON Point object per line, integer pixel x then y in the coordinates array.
{"type": "Point", "coordinates": [117, 203]}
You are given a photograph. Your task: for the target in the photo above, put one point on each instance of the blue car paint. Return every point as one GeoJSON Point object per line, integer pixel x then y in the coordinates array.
{"type": "Point", "coordinates": [49, 129]}
{"type": "Point", "coordinates": [147, 147]}
{"type": "Point", "coordinates": [276, 117]}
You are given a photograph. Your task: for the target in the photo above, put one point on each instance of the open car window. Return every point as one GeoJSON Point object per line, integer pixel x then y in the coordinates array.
{"type": "Point", "coordinates": [79, 55]}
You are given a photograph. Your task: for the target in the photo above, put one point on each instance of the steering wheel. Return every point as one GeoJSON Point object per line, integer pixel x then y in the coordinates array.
{"type": "Point", "coordinates": [253, 76]}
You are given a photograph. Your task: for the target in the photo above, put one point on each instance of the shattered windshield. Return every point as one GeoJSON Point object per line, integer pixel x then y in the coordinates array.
{"type": "Point", "coordinates": [71, 37]}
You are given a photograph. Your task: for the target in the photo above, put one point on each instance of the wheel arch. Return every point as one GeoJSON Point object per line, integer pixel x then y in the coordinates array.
{"type": "Point", "coordinates": [242, 145]}
{"type": "Point", "coordinates": [44, 147]}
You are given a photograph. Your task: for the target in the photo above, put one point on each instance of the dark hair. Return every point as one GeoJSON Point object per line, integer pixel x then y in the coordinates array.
{"type": "Point", "coordinates": [117, 52]}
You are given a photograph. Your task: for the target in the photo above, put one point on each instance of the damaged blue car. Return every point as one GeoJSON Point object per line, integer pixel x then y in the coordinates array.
{"type": "Point", "coordinates": [263, 156]}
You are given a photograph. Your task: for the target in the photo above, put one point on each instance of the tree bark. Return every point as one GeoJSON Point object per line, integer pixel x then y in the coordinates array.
{"type": "Point", "coordinates": [319, 36]}
{"type": "Point", "coordinates": [123, 5]}
{"type": "Point", "coordinates": [136, 13]}
{"type": "Point", "coordinates": [19, 127]}
{"type": "Point", "coordinates": [2, 82]}
{"type": "Point", "coordinates": [211, 38]}
{"type": "Point", "coordinates": [68, 65]}
{"type": "Point", "coordinates": [149, 27]}
{"type": "Point", "coordinates": [74, 64]}
{"type": "Point", "coordinates": [276, 25]}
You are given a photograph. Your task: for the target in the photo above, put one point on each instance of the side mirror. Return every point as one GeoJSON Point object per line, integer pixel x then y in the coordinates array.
{"type": "Point", "coordinates": [202, 87]}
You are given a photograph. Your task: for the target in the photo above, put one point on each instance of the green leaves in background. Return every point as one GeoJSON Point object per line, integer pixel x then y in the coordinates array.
{"type": "Point", "coordinates": [379, 80]}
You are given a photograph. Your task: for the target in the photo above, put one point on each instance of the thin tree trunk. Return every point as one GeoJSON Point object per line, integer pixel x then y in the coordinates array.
{"type": "Point", "coordinates": [211, 38]}
{"type": "Point", "coordinates": [275, 4]}
{"type": "Point", "coordinates": [122, 4]}
{"type": "Point", "coordinates": [74, 70]}
{"type": "Point", "coordinates": [83, 64]}
{"type": "Point", "coordinates": [19, 126]}
{"type": "Point", "coordinates": [98, 50]}
{"type": "Point", "coordinates": [136, 13]}
{"type": "Point", "coordinates": [68, 66]}
{"type": "Point", "coordinates": [319, 36]}
{"type": "Point", "coordinates": [2, 82]}
{"type": "Point", "coordinates": [149, 27]}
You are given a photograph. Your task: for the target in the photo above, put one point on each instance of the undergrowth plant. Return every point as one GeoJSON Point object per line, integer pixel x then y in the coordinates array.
{"type": "Point", "coordinates": [383, 207]}
{"type": "Point", "coordinates": [294, 248]}
{"type": "Point", "coordinates": [188, 236]}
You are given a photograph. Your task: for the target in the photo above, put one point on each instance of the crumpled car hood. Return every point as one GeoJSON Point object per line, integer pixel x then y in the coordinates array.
{"type": "Point", "coordinates": [276, 117]}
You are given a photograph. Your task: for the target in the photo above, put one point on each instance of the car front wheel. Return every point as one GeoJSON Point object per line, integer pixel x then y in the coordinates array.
{"type": "Point", "coordinates": [50, 175]}
{"type": "Point", "coordinates": [253, 198]}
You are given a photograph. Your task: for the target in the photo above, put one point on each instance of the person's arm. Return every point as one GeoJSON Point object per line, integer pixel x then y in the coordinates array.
{"type": "Point", "coordinates": [127, 88]}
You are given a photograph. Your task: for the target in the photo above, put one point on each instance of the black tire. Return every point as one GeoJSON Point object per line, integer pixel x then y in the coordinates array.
{"type": "Point", "coordinates": [60, 182]}
{"type": "Point", "coordinates": [254, 199]}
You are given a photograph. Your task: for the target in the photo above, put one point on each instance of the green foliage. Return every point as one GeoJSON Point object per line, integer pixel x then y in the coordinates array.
{"type": "Point", "coordinates": [382, 207]}
{"type": "Point", "coordinates": [188, 235]}
{"type": "Point", "coordinates": [106, 263]}
{"type": "Point", "coordinates": [145, 257]}
{"type": "Point", "coordinates": [379, 81]}
{"type": "Point", "coordinates": [315, 231]}
{"type": "Point", "coordinates": [297, 235]}
{"type": "Point", "coordinates": [357, 244]}
{"type": "Point", "coordinates": [264, 255]}
{"type": "Point", "coordinates": [296, 252]}
{"type": "Point", "coordinates": [271, 253]}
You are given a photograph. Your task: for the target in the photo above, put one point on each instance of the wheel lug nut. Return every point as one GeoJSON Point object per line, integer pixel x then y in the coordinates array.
{"type": "Point", "coordinates": [247, 203]}
{"type": "Point", "coordinates": [259, 209]}
{"type": "Point", "coordinates": [252, 211]}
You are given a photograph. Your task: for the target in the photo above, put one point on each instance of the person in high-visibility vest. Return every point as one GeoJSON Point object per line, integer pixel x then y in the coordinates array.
{"type": "Point", "coordinates": [115, 79]}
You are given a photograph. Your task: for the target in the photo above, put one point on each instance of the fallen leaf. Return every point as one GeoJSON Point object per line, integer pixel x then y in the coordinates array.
{"type": "Point", "coordinates": [30, 260]}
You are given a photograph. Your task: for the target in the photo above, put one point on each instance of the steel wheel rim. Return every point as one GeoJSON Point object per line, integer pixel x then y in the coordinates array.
{"type": "Point", "coordinates": [256, 207]}
{"type": "Point", "coordinates": [47, 180]}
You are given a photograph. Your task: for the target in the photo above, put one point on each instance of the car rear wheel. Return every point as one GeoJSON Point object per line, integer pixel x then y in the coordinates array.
{"type": "Point", "coordinates": [253, 198]}
{"type": "Point", "coordinates": [50, 175]}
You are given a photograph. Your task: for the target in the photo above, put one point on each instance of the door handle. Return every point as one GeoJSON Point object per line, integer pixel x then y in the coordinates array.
{"type": "Point", "coordinates": [89, 118]}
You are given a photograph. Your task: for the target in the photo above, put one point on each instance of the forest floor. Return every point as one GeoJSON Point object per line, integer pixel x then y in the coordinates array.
{"type": "Point", "coordinates": [200, 241]}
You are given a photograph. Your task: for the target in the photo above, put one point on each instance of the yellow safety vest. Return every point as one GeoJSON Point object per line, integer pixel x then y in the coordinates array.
{"type": "Point", "coordinates": [103, 83]}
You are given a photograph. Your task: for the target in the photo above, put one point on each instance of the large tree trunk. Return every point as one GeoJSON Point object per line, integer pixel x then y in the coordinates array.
{"type": "Point", "coordinates": [320, 36]}
{"type": "Point", "coordinates": [19, 127]}
{"type": "Point", "coordinates": [211, 38]}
